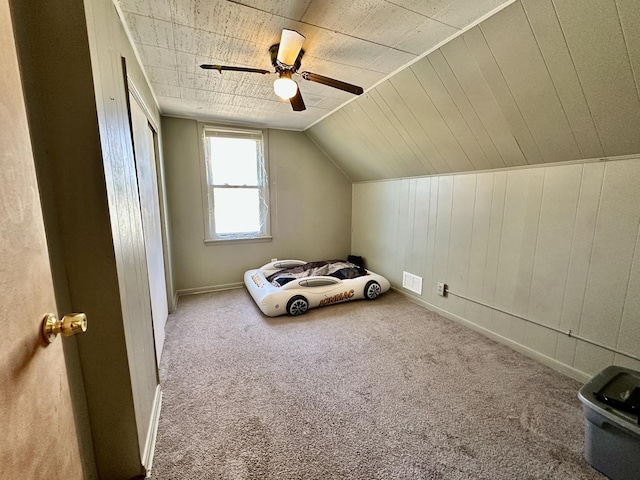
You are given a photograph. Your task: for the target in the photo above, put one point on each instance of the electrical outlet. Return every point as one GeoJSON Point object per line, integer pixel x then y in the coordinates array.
{"type": "Point", "coordinates": [274, 259]}
{"type": "Point", "coordinates": [442, 289]}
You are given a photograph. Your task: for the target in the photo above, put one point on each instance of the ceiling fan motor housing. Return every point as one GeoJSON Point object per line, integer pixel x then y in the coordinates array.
{"type": "Point", "coordinates": [279, 66]}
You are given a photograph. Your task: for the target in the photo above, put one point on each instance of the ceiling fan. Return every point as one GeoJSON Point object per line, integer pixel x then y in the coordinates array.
{"type": "Point", "coordinates": [286, 57]}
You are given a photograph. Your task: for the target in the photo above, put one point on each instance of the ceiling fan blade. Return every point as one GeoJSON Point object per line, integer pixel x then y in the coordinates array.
{"type": "Point", "coordinates": [220, 68]}
{"type": "Point", "coordinates": [290, 46]}
{"type": "Point", "coordinates": [332, 82]}
{"type": "Point", "coordinates": [296, 102]}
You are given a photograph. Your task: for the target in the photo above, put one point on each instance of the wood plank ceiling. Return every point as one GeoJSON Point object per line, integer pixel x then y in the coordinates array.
{"type": "Point", "coordinates": [540, 81]}
{"type": "Point", "coordinates": [357, 41]}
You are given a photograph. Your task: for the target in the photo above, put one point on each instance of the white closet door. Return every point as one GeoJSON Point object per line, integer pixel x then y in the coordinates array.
{"type": "Point", "coordinates": [144, 148]}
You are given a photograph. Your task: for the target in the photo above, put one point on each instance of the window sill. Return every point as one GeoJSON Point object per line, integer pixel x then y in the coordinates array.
{"type": "Point", "coordinates": [210, 241]}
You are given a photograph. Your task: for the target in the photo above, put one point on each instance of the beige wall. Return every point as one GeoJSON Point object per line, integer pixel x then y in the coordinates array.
{"type": "Point", "coordinates": [310, 209]}
{"type": "Point", "coordinates": [559, 245]}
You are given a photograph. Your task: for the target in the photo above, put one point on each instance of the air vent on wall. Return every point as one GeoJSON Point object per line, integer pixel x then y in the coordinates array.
{"type": "Point", "coordinates": [412, 282]}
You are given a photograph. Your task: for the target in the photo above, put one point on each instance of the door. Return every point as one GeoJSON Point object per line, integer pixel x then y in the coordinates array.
{"type": "Point", "coordinates": [38, 437]}
{"type": "Point", "coordinates": [145, 155]}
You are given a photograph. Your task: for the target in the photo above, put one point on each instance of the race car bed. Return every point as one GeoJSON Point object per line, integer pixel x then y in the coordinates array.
{"type": "Point", "coordinates": [294, 286]}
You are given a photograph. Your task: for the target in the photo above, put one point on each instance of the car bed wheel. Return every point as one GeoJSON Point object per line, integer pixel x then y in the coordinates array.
{"type": "Point", "coordinates": [297, 305]}
{"type": "Point", "coordinates": [372, 290]}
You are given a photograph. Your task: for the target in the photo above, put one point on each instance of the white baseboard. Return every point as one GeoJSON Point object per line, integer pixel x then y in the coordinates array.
{"type": "Point", "coordinates": [174, 302]}
{"type": "Point", "coordinates": [209, 289]}
{"type": "Point", "coordinates": [152, 432]}
{"type": "Point", "coordinates": [518, 347]}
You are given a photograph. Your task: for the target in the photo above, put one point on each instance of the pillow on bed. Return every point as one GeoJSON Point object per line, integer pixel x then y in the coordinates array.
{"type": "Point", "coordinates": [356, 260]}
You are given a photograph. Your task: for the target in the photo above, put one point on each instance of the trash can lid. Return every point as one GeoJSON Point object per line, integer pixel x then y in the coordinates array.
{"type": "Point", "coordinates": [615, 394]}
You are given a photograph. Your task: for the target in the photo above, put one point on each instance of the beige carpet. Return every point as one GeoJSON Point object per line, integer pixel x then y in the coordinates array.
{"type": "Point", "coordinates": [361, 390]}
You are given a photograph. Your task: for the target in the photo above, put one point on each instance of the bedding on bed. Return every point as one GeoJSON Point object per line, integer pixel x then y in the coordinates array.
{"type": "Point", "coordinates": [333, 268]}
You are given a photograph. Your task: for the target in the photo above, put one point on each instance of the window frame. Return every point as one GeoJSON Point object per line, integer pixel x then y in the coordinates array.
{"type": "Point", "coordinates": [210, 237]}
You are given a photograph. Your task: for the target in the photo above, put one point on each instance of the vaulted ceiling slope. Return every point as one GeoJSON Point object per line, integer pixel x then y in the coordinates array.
{"type": "Point", "coordinates": [540, 81]}
{"type": "Point", "coordinates": [357, 41]}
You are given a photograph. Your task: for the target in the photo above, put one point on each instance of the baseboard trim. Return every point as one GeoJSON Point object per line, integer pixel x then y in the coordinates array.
{"type": "Point", "coordinates": [209, 289]}
{"type": "Point", "coordinates": [518, 347]}
{"type": "Point", "coordinates": [174, 300]}
{"type": "Point", "coordinates": [152, 432]}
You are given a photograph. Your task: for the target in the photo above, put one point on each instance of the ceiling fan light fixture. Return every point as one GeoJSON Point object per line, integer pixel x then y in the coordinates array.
{"type": "Point", "coordinates": [284, 86]}
{"type": "Point", "coordinates": [285, 58]}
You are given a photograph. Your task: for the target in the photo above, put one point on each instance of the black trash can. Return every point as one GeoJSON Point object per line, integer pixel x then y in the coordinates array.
{"type": "Point", "coordinates": [611, 404]}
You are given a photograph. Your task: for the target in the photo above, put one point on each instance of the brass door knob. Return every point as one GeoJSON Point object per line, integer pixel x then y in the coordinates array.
{"type": "Point", "coordinates": [71, 324]}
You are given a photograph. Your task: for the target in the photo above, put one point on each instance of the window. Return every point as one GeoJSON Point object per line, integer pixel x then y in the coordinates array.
{"type": "Point", "coordinates": [237, 187]}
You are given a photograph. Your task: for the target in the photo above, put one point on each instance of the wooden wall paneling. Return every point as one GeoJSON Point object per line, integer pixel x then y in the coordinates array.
{"type": "Point", "coordinates": [420, 233]}
{"type": "Point", "coordinates": [381, 152]}
{"type": "Point", "coordinates": [362, 130]}
{"type": "Point", "coordinates": [462, 220]}
{"type": "Point", "coordinates": [477, 44]}
{"type": "Point", "coordinates": [338, 148]}
{"type": "Point", "coordinates": [359, 151]}
{"type": "Point", "coordinates": [527, 252]}
{"type": "Point", "coordinates": [479, 245]}
{"type": "Point", "coordinates": [555, 236]}
{"type": "Point", "coordinates": [516, 52]}
{"type": "Point", "coordinates": [344, 149]}
{"type": "Point", "coordinates": [395, 149]}
{"type": "Point", "coordinates": [490, 282]}
{"type": "Point", "coordinates": [553, 251]}
{"type": "Point", "coordinates": [490, 153]}
{"type": "Point", "coordinates": [548, 34]}
{"type": "Point", "coordinates": [429, 155]}
{"type": "Point", "coordinates": [404, 225]}
{"type": "Point", "coordinates": [447, 108]}
{"type": "Point", "coordinates": [431, 118]}
{"type": "Point", "coordinates": [513, 227]}
{"type": "Point", "coordinates": [538, 338]}
{"type": "Point", "coordinates": [597, 45]}
{"type": "Point", "coordinates": [477, 90]}
{"type": "Point", "coordinates": [401, 140]}
{"type": "Point", "coordinates": [612, 254]}
{"type": "Point", "coordinates": [422, 109]}
{"type": "Point", "coordinates": [429, 282]}
{"type": "Point", "coordinates": [442, 238]}
{"type": "Point", "coordinates": [550, 244]}
{"type": "Point", "coordinates": [629, 14]}
{"type": "Point", "coordinates": [629, 336]}
{"type": "Point", "coordinates": [591, 359]}
{"type": "Point", "coordinates": [349, 148]}
{"type": "Point", "coordinates": [411, 223]}
{"type": "Point", "coordinates": [580, 255]}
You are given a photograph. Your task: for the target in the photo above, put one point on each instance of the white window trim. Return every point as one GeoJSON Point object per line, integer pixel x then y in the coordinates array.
{"type": "Point", "coordinates": [207, 212]}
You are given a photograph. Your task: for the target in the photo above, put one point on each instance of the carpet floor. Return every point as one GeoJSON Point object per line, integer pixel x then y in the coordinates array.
{"type": "Point", "coordinates": [360, 390]}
